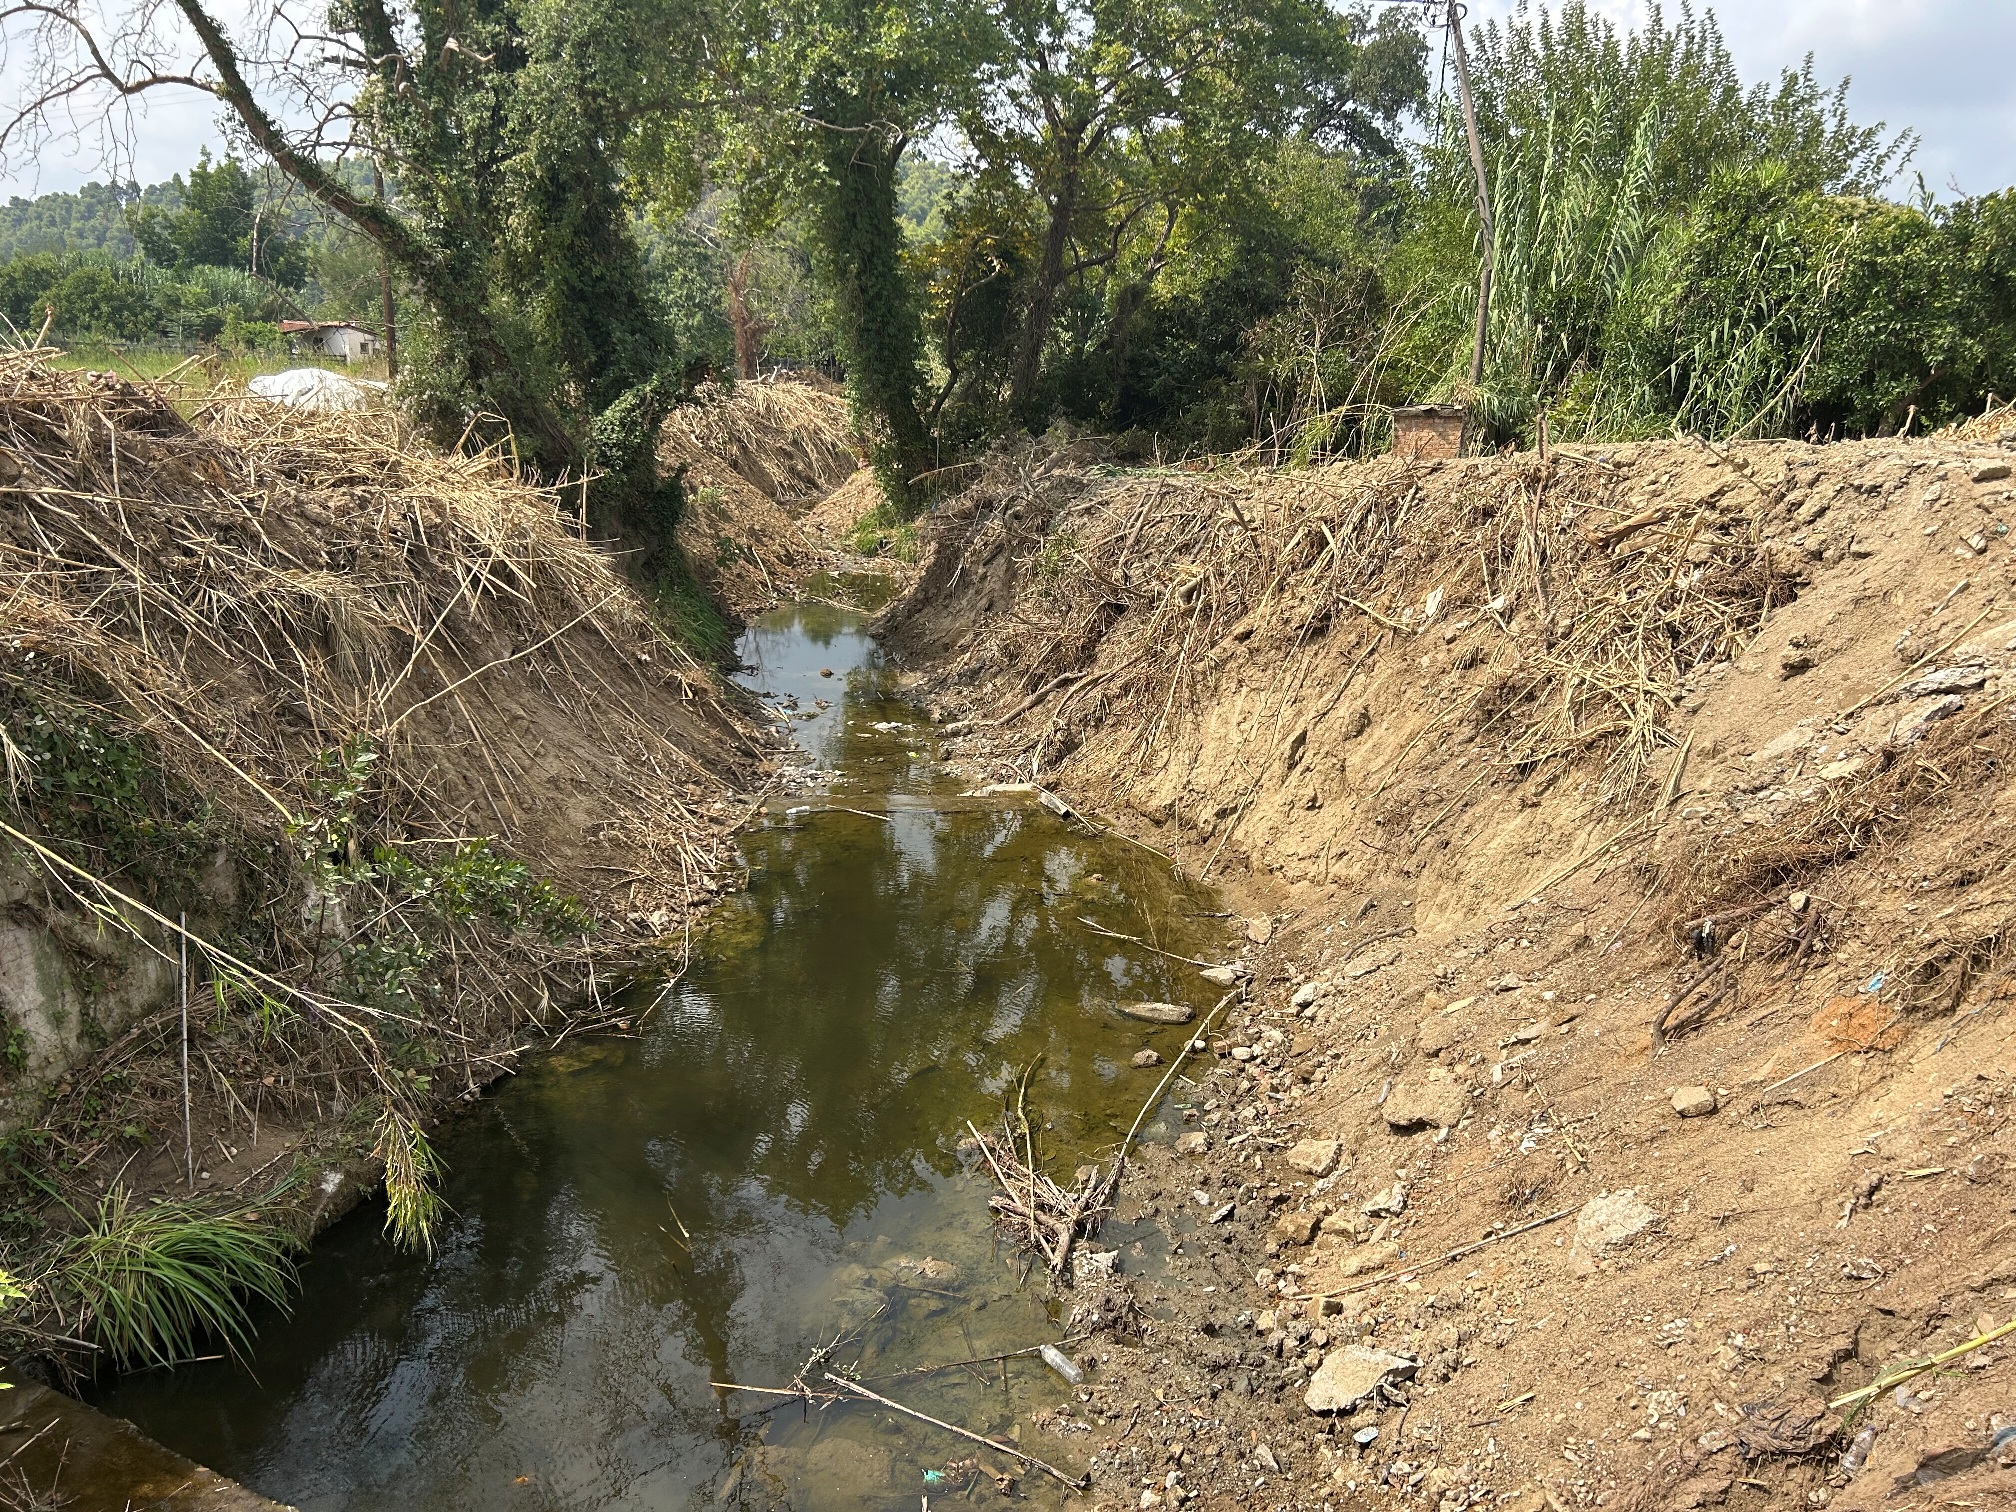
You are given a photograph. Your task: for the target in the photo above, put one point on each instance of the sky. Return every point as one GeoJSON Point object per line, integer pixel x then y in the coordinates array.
{"type": "Point", "coordinates": [1940, 67]}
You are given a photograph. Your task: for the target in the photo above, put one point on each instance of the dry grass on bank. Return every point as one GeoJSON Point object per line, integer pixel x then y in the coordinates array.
{"type": "Point", "coordinates": [1492, 677]}
{"type": "Point", "coordinates": [790, 440]}
{"type": "Point", "coordinates": [1158, 579]}
{"type": "Point", "coordinates": [755, 457]}
{"type": "Point", "coordinates": [375, 719]}
{"type": "Point", "coordinates": [257, 586]}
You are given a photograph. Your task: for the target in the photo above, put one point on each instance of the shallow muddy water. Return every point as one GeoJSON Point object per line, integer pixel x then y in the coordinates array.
{"type": "Point", "coordinates": [794, 1105]}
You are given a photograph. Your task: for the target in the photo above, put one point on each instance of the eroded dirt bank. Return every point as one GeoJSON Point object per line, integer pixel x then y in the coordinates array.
{"type": "Point", "coordinates": [1627, 839]}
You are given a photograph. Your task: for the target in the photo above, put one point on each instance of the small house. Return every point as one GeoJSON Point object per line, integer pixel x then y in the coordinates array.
{"type": "Point", "coordinates": [329, 338]}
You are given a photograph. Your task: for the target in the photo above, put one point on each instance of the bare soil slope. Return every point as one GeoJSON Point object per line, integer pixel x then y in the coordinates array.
{"type": "Point", "coordinates": [1568, 795]}
{"type": "Point", "coordinates": [757, 457]}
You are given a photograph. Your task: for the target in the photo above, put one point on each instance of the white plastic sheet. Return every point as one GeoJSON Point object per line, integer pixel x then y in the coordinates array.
{"type": "Point", "coordinates": [313, 388]}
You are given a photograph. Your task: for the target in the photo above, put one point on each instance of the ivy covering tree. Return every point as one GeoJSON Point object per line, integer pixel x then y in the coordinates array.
{"type": "Point", "coordinates": [826, 97]}
{"type": "Point", "coordinates": [517, 131]}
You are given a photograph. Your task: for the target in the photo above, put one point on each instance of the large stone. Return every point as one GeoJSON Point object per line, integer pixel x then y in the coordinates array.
{"type": "Point", "coordinates": [1195, 1143]}
{"type": "Point", "coordinates": [1434, 1099]}
{"type": "Point", "coordinates": [1776, 749]}
{"type": "Point", "coordinates": [1089, 1265]}
{"type": "Point", "coordinates": [1963, 679]}
{"type": "Point", "coordinates": [1224, 976]}
{"type": "Point", "coordinates": [1297, 1228]}
{"type": "Point", "coordinates": [1349, 1375]}
{"type": "Point", "coordinates": [1693, 1102]}
{"type": "Point", "coordinates": [1159, 1013]}
{"type": "Point", "coordinates": [1367, 1258]}
{"type": "Point", "coordinates": [1314, 1157]}
{"type": "Point", "coordinates": [1607, 1221]}
{"type": "Point", "coordinates": [1388, 1202]}
{"type": "Point", "coordinates": [1911, 726]}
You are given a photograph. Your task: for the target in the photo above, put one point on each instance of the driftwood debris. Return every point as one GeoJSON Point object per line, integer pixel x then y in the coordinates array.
{"type": "Point", "coordinates": [1034, 1211]}
{"type": "Point", "coordinates": [856, 1389]}
{"type": "Point", "coordinates": [1037, 1214]}
{"type": "Point", "coordinates": [849, 1387]}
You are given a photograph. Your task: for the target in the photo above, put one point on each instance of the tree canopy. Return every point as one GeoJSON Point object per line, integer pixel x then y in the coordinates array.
{"type": "Point", "coordinates": [1184, 223]}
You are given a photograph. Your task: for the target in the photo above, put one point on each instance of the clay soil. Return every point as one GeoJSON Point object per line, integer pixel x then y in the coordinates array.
{"type": "Point", "coordinates": [1558, 795]}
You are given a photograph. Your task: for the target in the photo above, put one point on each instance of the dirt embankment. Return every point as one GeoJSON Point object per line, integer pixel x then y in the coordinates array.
{"type": "Point", "coordinates": [356, 751]}
{"type": "Point", "coordinates": [1629, 841]}
{"type": "Point", "coordinates": [760, 460]}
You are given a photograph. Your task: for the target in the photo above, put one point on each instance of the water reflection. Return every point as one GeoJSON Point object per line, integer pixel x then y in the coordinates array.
{"type": "Point", "coordinates": [773, 1159]}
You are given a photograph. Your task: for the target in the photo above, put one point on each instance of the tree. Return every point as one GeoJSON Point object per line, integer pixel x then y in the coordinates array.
{"type": "Point", "coordinates": [93, 300]}
{"type": "Point", "coordinates": [511, 127]}
{"type": "Point", "coordinates": [1113, 112]}
{"type": "Point", "coordinates": [829, 94]}
{"type": "Point", "coordinates": [219, 223]}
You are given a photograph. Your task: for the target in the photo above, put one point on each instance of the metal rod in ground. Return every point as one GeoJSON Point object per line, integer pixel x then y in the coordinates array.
{"type": "Point", "coordinates": [856, 1389]}
{"type": "Point", "coordinates": [188, 1122]}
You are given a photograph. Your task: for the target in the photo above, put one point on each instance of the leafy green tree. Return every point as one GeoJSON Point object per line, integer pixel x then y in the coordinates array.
{"type": "Point", "coordinates": [220, 222]}
{"type": "Point", "coordinates": [1271, 323]}
{"type": "Point", "coordinates": [829, 95]}
{"type": "Point", "coordinates": [514, 130]}
{"type": "Point", "coordinates": [94, 300]}
{"type": "Point", "coordinates": [1119, 115]}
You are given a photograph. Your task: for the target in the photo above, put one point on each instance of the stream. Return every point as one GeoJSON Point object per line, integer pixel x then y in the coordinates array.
{"type": "Point", "coordinates": [772, 1160]}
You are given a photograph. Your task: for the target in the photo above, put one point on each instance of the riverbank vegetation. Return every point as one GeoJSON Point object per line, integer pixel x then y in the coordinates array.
{"type": "Point", "coordinates": [1181, 224]}
{"type": "Point", "coordinates": [286, 701]}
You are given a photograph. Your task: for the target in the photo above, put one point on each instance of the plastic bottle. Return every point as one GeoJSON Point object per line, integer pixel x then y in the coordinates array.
{"type": "Point", "coordinates": [1858, 1450]}
{"type": "Point", "coordinates": [1060, 1362]}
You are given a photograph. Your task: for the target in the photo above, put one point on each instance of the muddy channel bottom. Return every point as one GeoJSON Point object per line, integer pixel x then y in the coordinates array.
{"type": "Point", "coordinates": [768, 1164]}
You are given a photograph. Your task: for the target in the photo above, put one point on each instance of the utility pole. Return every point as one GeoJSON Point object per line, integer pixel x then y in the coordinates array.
{"type": "Point", "coordinates": [385, 287]}
{"type": "Point", "coordinates": [1486, 226]}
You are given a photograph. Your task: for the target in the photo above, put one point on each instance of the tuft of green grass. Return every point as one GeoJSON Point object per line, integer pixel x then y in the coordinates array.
{"type": "Point", "coordinates": [149, 1282]}
{"type": "Point", "coordinates": [884, 531]}
{"type": "Point", "coordinates": [693, 619]}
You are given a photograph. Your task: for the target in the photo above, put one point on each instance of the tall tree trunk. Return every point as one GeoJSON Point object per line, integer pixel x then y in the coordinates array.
{"type": "Point", "coordinates": [749, 331]}
{"type": "Point", "coordinates": [881, 334]}
{"type": "Point", "coordinates": [1042, 307]}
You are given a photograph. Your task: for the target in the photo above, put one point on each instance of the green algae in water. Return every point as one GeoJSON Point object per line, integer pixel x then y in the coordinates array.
{"type": "Point", "coordinates": [772, 1161]}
